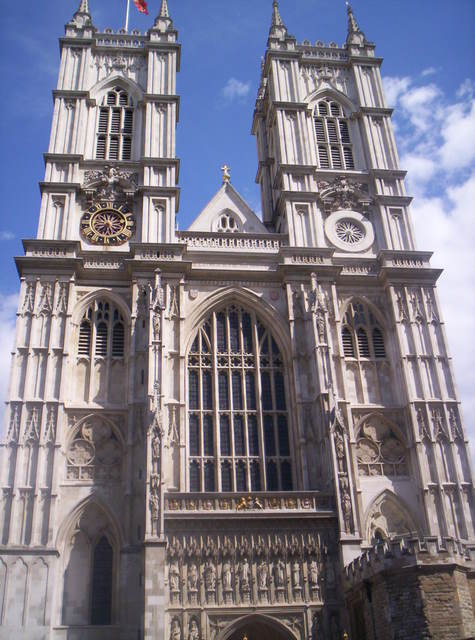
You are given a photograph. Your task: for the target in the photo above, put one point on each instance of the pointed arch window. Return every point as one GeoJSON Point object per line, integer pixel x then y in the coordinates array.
{"type": "Point", "coordinates": [102, 331]}
{"type": "Point", "coordinates": [333, 136]}
{"type": "Point", "coordinates": [361, 334]}
{"type": "Point", "coordinates": [238, 423]}
{"type": "Point", "coordinates": [102, 567]}
{"type": "Point", "coordinates": [115, 126]}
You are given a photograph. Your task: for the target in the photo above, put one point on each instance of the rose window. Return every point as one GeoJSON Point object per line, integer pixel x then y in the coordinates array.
{"type": "Point", "coordinates": [349, 231]}
{"type": "Point", "coordinates": [379, 450]}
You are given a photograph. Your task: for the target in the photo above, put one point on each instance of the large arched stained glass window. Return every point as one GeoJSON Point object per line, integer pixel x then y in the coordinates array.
{"type": "Point", "coordinates": [238, 425]}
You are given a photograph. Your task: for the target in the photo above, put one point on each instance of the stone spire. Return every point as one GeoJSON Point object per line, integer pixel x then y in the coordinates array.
{"type": "Point", "coordinates": [355, 35]}
{"type": "Point", "coordinates": [164, 10]}
{"type": "Point", "coordinates": [82, 17]}
{"type": "Point", "coordinates": [277, 28]}
{"type": "Point", "coordinates": [163, 22]}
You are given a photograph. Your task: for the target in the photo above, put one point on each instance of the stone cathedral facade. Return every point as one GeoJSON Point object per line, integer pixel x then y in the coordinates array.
{"type": "Point", "coordinates": [249, 429]}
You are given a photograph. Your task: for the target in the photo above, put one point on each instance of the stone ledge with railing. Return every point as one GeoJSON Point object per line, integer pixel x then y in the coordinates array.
{"type": "Point", "coordinates": [256, 504]}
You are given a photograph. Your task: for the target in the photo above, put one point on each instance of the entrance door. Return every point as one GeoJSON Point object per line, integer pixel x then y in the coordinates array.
{"type": "Point", "coordinates": [258, 630]}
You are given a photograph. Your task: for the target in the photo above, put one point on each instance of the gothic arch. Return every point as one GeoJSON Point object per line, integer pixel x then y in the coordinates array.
{"type": "Point", "coordinates": [82, 305]}
{"type": "Point", "coordinates": [389, 515]}
{"type": "Point", "coordinates": [89, 525]}
{"type": "Point", "coordinates": [247, 298]}
{"type": "Point", "coordinates": [366, 301]}
{"type": "Point", "coordinates": [70, 522]}
{"type": "Point", "coordinates": [381, 446]}
{"type": "Point", "coordinates": [264, 627]}
{"type": "Point", "coordinates": [102, 86]}
{"type": "Point", "coordinates": [327, 91]}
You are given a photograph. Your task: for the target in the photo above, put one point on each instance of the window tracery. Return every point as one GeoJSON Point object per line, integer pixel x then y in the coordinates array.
{"type": "Point", "coordinates": [238, 431]}
{"type": "Point", "coordinates": [115, 126]}
{"type": "Point", "coordinates": [95, 453]}
{"type": "Point", "coordinates": [361, 335]}
{"type": "Point", "coordinates": [380, 451]}
{"type": "Point", "coordinates": [333, 136]}
{"type": "Point", "coordinates": [227, 223]}
{"type": "Point", "coordinates": [101, 331]}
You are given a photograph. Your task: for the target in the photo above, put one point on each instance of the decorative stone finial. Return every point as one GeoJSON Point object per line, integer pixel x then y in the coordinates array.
{"type": "Point", "coordinates": [82, 17]}
{"type": "Point", "coordinates": [226, 173]}
{"type": "Point", "coordinates": [164, 10]}
{"type": "Point", "coordinates": [276, 17]}
{"type": "Point", "coordinates": [355, 35]}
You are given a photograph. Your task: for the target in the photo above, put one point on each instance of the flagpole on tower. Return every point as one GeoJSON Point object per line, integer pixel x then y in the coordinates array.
{"type": "Point", "coordinates": [127, 16]}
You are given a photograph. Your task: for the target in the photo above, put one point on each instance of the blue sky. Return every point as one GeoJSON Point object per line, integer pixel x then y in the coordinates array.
{"type": "Point", "coordinates": [429, 51]}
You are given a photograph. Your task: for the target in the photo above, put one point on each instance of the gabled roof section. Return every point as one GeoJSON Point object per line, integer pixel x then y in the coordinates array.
{"type": "Point", "coordinates": [228, 212]}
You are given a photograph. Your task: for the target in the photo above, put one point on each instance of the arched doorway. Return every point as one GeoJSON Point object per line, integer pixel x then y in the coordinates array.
{"type": "Point", "coordinates": [256, 628]}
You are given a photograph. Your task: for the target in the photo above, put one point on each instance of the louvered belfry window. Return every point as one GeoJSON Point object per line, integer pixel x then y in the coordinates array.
{"type": "Point", "coordinates": [334, 149]}
{"type": "Point", "coordinates": [361, 334]}
{"type": "Point", "coordinates": [115, 126]}
{"type": "Point", "coordinates": [102, 331]}
{"type": "Point", "coordinates": [238, 423]}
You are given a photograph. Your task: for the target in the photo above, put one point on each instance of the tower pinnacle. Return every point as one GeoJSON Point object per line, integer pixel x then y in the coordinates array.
{"type": "Point", "coordinates": [164, 10]}
{"type": "Point", "coordinates": [355, 35]}
{"type": "Point", "coordinates": [277, 28]}
{"type": "Point", "coordinates": [82, 17]}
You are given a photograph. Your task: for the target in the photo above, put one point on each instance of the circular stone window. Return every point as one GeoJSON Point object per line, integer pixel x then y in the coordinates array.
{"type": "Point", "coordinates": [349, 231]}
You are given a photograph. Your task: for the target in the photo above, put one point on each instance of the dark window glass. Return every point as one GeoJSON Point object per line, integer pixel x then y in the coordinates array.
{"type": "Point", "coordinates": [247, 333]}
{"type": "Point", "coordinates": [237, 390]}
{"type": "Point", "coordinates": [255, 477]}
{"type": "Point", "coordinates": [207, 390]}
{"type": "Point", "coordinates": [223, 391]}
{"type": "Point", "coordinates": [272, 477]}
{"type": "Point", "coordinates": [253, 436]}
{"type": "Point", "coordinates": [209, 477]}
{"type": "Point", "coordinates": [319, 130]}
{"type": "Point", "coordinates": [194, 392]}
{"type": "Point", "coordinates": [286, 476]}
{"type": "Point", "coordinates": [349, 162]}
{"type": "Point", "coordinates": [221, 332]}
{"type": "Point", "coordinates": [194, 436]}
{"type": "Point", "coordinates": [266, 391]}
{"type": "Point", "coordinates": [269, 436]}
{"type": "Point", "coordinates": [225, 436]}
{"type": "Point", "coordinates": [241, 480]}
{"type": "Point", "coordinates": [279, 391]}
{"type": "Point", "coordinates": [332, 134]}
{"type": "Point", "coordinates": [101, 605]}
{"type": "Point", "coordinates": [234, 332]}
{"type": "Point", "coordinates": [226, 477]}
{"type": "Point", "coordinates": [195, 481]}
{"type": "Point", "coordinates": [239, 436]}
{"type": "Point", "coordinates": [284, 447]}
{"type": "Point", "coordinates": [323, 157]}
{"type": "Point", "coordinates": [250, 392]}
{"type": "Point", "coordinates": [208, 436]}
{"type": "Point", "coordinates": [323, 108]}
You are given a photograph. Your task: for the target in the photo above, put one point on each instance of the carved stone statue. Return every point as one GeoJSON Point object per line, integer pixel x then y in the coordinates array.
{"type": "Point", "coordinates": [175, 630]}
{"type": "Point", "coordinates": [296, 573]}
{"type": "Point", "coordinates": [227, 576]}
{"type": "Point", "coordinates": [262, 574]}
{"type": "Point", "coordinates": [244, 572]}
{"type": "Point", "coordinates": [194, 632]}
{"type": "Point", "coordinates": [192, 577]}
{"type": "Point", "coordinates": [279, 573]}
{"type": "Point", "coordinates": [210, 576]}
{"type": "Point", "coordinates": [174, 577]}
{"type": "Point", "coordinates": [313, 574]}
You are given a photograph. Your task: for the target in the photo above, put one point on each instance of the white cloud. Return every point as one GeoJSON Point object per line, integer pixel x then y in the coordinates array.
{"type": "Point", "coordinates": [8, 306]}
{"type": "Point", "coordinates": [6, 235]}
{"type": "Point", "coordinates": [430, 71]}
{"type": "Point", "coordinates": [458, 134]}
{"type": "Point", "coordinates": [419, 107]}
{"type": "Point", "coordinates": [235, 89]}
{"type": "Point", "coordinates": [395, 87]}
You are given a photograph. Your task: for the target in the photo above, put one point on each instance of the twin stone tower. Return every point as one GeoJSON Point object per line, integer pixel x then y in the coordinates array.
{"type": "Point", "coordinates": [249, 429]}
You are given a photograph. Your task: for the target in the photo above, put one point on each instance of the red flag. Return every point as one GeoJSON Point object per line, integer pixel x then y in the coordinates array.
{"type": "Point", "coordinates": [141, 6]}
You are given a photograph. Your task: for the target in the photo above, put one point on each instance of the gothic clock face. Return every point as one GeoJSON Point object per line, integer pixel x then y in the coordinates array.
{"type": "Point", "coordinates": [107, 223]}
